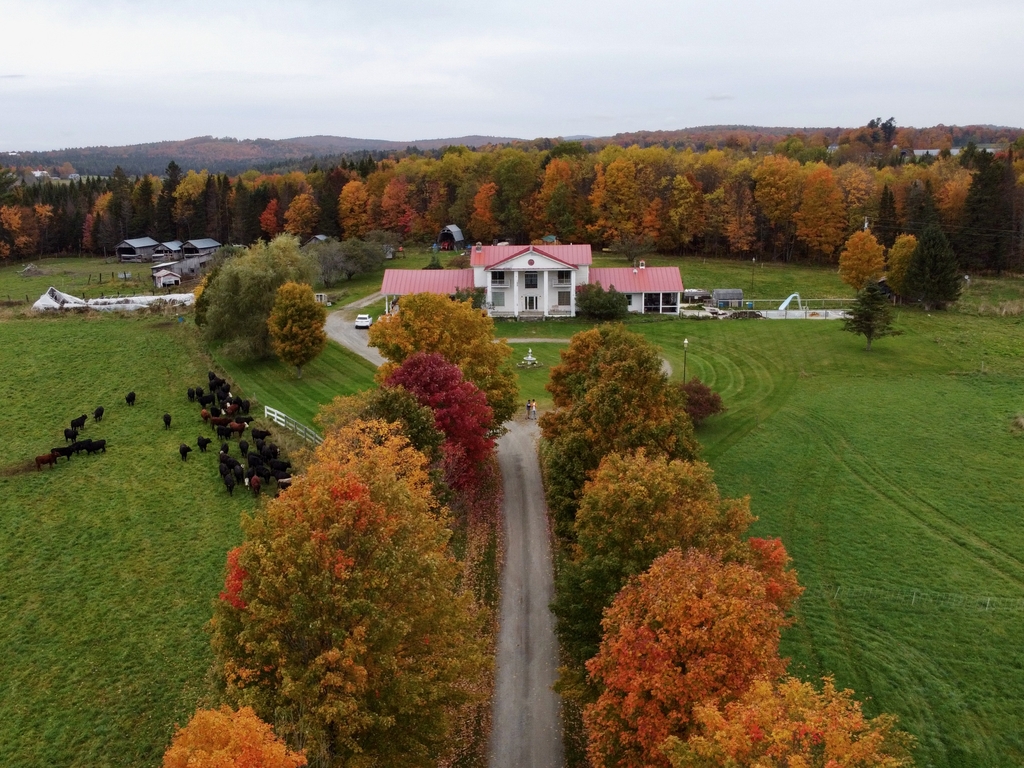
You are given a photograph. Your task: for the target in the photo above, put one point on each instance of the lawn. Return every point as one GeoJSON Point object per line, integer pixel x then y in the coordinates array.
{"type": "Point", "coordinates": [108, 563]}
{"type": "Point", "coordinates": [893, 477]}
{"type": "Point", "coordinates": [89, 276]}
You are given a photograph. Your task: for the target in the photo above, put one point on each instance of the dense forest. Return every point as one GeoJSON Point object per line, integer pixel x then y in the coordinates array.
{"type": "Point", "coordinates": [796, 197]}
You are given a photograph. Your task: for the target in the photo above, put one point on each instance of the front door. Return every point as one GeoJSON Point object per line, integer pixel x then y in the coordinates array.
{"type": "Point", "coordinates": [530, 303]}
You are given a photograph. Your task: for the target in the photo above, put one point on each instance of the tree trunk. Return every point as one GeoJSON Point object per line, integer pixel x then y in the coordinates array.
{"type": "Point", "coordinates": [298, 368]}
{"type": "Point", "coordinates": [869, 343]}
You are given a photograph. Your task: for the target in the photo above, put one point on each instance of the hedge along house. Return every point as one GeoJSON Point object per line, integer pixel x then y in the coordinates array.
{"type": "Point", "coordinates": [540, 281]}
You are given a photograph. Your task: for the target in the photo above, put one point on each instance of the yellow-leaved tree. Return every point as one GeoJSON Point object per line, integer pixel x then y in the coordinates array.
{"type": "Point", "coordinates": [226, 738]}
{"type": "Point", "coordinates": [302, 216]}
{"type": "Point", "coordinates": [862, 260]}
{"type": "Point", "coordinates": [461, 334]}
{"type": "Point", "coordinates": [296, 325]}
{"type": "Point", "coordinates": [900, 254]}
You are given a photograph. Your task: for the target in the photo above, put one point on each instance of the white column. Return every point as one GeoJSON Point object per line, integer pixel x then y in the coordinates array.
{"type": "Point", "coordinates": [547, 305]}
{"type": "Point", "coordinates": [515, 292]}
{"type": "Point", "coordinates": [572, 293]}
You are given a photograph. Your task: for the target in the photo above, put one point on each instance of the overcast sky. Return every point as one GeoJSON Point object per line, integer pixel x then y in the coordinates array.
{"type": "Point", "coordinates": [77, 73]}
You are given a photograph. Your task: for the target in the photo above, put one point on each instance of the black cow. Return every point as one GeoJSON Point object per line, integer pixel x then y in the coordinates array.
{"type": "Point", "coordinates": [245, 405]}
{"type": "Point", "coordinates": [199, 392]}
{"type": "Point", "coordinates": [229, 482]}
{"type": "Point", "coordinates": [202, 442]}
{"type": "Point", "coordinates": [245, 419]}
{"type": "Point", "coordinates": [238, 471]}
{"type": "Point", "coordinates": [97, 415]}
{"type": "Point", "coordinates": [274, 450]}
{"type": "Point", "coordinates": [224, 469]}
{"type": "Point", "coordinates": [184, 450]}
{"type": "Point", "coordinates": [130, 398]}
{"type": "Point", "coordinates": [280, 465]}
{"type": "Point", "coordinates": [224, 448]}
{"type": "Point", "coordinates": [66, 451]}
{"type": "Point", "coordinates": [70, 434]}
{"type": "Point", "coordinates": [243, 446]}
{"type": "Point", "coordinates": [191, 394]}
{"type": "Point", "coordinates": [254, 459]}
{"type": "Point", "coordinates": [206, 400]}
{"type": "Point", "coordinates": [167, 421]}
{"type": "Point", "coordinates": [216, 412]}
{"type": "Point", "coordinates": [96, 445]}
{"type": "Point", "coordinates": [79, 423]}
{"type": "Point", "coordinates": [80, 446]}
{"type": "Point", "coordinates": [260, 434]}
{"type": "Point", "coordinates": [224, 433]}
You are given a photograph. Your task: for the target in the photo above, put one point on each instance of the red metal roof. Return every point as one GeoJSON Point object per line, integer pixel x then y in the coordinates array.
{"type": "Point", "coordinates": [629, 280]}
{"type": "Point", "coordinates": [401, 282]}
{"type": "Point", "coordinates": [571, 255]}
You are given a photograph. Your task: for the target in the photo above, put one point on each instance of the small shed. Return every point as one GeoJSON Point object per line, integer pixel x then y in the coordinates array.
{"type": "Point", "coordinates": [727, 297]}
{"type": "Point", "coordinates": [165, 278]}
{"type": "Point", "coordinates": [136, 249]}
{"type": "Point", "coordinates": [315, 240]}
{"type": "Point", "coordinates": [200, 247]}
{"type": "Point", "coordinates": [451, 238]}
{"type": "Point", "coordinates": [696, 296]}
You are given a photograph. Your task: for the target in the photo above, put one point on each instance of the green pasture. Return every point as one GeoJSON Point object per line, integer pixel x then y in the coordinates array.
{"type": "Point", "coordinates": [335, 372]}
{"type": "Point", "coordinates": [87, 275]}
{"type": "Point", "coordinates": [108, 563]}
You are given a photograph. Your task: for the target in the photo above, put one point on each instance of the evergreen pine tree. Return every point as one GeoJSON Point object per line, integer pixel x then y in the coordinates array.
{"type": "Point", "coordinates": [871, 315]}
{"type": "Point", "coordinates": [933, 276]}
{"type": "Point", "coordinates": [984, 240]}
{"type": "Point", "coordinates": [166, 226]}
{"type": "Point", "coordinates": [887, 227]}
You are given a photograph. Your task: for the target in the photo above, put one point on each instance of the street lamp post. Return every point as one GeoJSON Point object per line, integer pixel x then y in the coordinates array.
{"type": "Point", "coordinates": [686, 343]}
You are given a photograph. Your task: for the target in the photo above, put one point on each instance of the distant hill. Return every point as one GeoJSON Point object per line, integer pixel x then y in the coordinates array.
{"type": "Point", "coordinates": [226, 154]}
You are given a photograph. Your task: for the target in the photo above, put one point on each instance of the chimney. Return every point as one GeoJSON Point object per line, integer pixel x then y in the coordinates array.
{"type": "Point", "coordinates": [643, 264]}
{"type": "Point", "coordinates": [479, 247]}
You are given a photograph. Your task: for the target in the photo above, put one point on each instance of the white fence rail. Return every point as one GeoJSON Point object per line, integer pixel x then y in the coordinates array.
{"type": "Point", "coordinates": [286, 421]}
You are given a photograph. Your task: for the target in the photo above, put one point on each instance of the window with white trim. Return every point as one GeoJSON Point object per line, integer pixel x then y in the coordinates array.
{"type": "Point", "coordinates": [497, 278]}
{"type": "Point", "coordinates": [531, 279]}
{"type": "Point", "coordinates": [564, 298]}
{"type": "Point", "coordinates": [498, 298]}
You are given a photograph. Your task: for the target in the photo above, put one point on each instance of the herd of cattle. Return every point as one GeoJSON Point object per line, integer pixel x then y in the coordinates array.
{"type": "Point", "coordinates": [228, 416]}
{"type": "Point", "coordinates": [77, 446]}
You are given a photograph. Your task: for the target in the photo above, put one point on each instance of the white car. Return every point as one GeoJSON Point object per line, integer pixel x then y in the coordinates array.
{"type": "Point", "coordinates": [363, 321]}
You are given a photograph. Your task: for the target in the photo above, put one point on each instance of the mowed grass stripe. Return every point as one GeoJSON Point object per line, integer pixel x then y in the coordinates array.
{"type": "Point", "coordinates": [108, 563]}
{"type": "Point", "coordinates": [335, 372]}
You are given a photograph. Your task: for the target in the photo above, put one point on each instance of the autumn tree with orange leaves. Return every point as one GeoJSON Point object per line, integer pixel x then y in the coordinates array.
{"type": "Point", "coordinates": [690, 631]}
{"type": "Point", "coordinates": [353, 214]}
{"type": "Point", "coordinates": [862, 260]}
{"type": "Point", "coordinates": [790, 723]}
{"type": "Point", "coordinates": [341, 618]}
{"type": "Point", "coordinates": [821, 221]}
{"type": "Point", "coordinates": [302, 216]}
{"type": "Point", "coordinates": [482, 223]}
{"type": "Point", "coordinates": [635, 508]}
{"type": "Point", "coordinates": [226, 738]}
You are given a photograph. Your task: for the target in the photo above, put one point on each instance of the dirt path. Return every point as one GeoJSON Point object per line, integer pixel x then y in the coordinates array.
{"type": "Point", "coordinates": [526, 728]}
